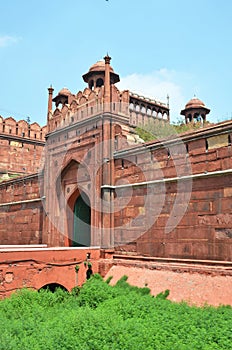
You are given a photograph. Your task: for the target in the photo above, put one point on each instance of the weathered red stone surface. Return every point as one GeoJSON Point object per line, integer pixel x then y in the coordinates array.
{"type": "Point", "coordinates": [194, 287]}
{"type": "Point", "coordinates": [30, 267]}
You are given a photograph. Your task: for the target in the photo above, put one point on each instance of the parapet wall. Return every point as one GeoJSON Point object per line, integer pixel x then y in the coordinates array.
{"type": "Point", "coordinates": [21, 147]}
{"type": "Point", "coordinates": [9, 126]}
{"type": "Point", "coordinates": [87, 104]}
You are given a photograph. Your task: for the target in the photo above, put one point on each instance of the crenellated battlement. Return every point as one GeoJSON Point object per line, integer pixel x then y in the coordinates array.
{"type": "Point", "coordinates": [10, 127]}
{"type": "Point", "coordinates": [84, 104]}
{"type": "Point", "coordinates": [100, 96]}
{"type": "Point", "coordinates": [138, 110]}
{"type": "Point", "coordinates": [21, 146]}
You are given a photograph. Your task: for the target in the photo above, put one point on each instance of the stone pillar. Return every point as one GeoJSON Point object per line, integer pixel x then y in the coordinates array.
{"type": "Point", "coordinates": [107, 84]}
{"type": "Point", "coordinates": [50, 95]}
{"type": "Point", "coordinates": [107, 235]}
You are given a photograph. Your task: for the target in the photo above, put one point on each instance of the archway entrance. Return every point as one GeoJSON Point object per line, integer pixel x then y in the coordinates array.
{"type": "Point", "coordinates": [52, 287]}
{"type": "Point", "coordinates": [81, 222]}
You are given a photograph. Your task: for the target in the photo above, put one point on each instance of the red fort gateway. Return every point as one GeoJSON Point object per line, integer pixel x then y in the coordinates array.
{"type": "Point", "coordinates": [86, 188]}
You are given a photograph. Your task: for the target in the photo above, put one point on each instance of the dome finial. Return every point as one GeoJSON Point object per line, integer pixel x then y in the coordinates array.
{"type": "Point", "coordinates": [107, 59]}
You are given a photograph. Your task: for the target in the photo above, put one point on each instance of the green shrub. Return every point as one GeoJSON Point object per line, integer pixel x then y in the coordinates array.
{"type": "Point", "coordinates": [94, 291]}
{"type": "Point", "coordinates": [108, 280]}
{"type": "Point", "coordinates": [122, 283]}
{"type": "Point", "coordinates": [163, 295]}
{"type": "Point", "coordinates": [98, 316]}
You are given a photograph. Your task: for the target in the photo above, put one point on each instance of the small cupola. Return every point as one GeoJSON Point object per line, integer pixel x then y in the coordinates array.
{"type": "Point", "coordinates": [195, 111]}
{"type": "Point", "coordinates": [62, 97]}
{"type": "Point", "coordinates": [96, 75]}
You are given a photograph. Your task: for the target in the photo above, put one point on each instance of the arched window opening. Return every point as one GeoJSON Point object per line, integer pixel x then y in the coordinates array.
{"type": "Point", "coordinates": [99, 82]}
{"type": "Point", "coordinates": [229, 140]}
{"type": "Point", "coordinates": [206, 145]}
{"type": "Point", "coordinates": [143, 109]}
{"type": "Point", "coordinates": [197, 117]}
{"type": "Point", "coordinates": [189, 118]}
{"type": "Point", "coordinates": [154, 113]}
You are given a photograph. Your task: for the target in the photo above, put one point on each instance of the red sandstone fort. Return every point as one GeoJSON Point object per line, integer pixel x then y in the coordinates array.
{"type": "Point", "coordinates": [86, 188]}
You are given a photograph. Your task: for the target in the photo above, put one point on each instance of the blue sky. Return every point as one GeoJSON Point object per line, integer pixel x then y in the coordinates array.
{"type": "Point", "coordinates": [174, 47]}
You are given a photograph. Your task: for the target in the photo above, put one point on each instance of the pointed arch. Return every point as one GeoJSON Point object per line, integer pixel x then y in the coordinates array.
{"type": "Point", "coordinates": [81, 236]}
{"type": "Point", "coordinates": [74, 202]}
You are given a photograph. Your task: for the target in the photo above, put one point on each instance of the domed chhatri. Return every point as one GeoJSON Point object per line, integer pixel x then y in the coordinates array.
{"type": "Point", "coordinates": [99, 66]}
{"type": "Point", "coordinates": [65, 91]}
{"type": "Point", "coordinates": [96, 75]}
{"type": "Point", "coordinates": [194, 103]}
{"type": "Point", "coordinates": [195, 110]}
{"type": "Point", "coordinates": [62, 96]}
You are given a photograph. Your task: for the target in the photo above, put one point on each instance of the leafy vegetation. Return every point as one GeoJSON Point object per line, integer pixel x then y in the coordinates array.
{"type": "Point", "coordinates": [159, 129]}
{"type": "Point", "coordinates": [101, 317]}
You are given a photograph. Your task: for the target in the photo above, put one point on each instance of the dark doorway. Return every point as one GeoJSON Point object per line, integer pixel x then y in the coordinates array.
{"type": "Point", "coordinates": [52, 287]}
{"type": "Point", "coordinates": [81, 222]}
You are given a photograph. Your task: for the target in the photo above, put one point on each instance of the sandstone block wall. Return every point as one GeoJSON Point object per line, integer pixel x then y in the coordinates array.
{"type": "Point", "coordinates": [179, 205]}
{"type": "Point", "coordinates": [21, 211]}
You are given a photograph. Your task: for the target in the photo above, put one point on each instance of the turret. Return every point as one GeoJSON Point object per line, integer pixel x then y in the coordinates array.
{"type": "Point", "coordinates": [195, 110]}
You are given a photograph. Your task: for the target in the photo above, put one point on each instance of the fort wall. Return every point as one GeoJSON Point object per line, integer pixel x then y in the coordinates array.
{"type": "Point", "coordinates": [21, 211]}
{"type": "Point", "coordinates": [21, 146]}
{"type": "Point", "coordinates": [178, 204]}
